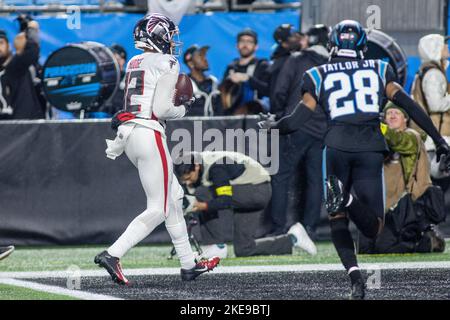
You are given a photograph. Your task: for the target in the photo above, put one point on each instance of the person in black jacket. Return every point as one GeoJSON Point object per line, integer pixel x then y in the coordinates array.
{"type": "Point", "coordinates": [223, 181]}
{"type": "Point", "coordinates": [288, 41]}
{"type": "Point", "coordinates": [18, 87]}
{"type": "Point", "coordinates": [245, 78]}
{"type": "Point", "coordinates": [304, 145]}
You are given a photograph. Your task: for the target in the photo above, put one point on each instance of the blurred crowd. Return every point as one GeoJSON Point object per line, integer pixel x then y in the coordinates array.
{"type": "Point", "coordinates": [248, 86]}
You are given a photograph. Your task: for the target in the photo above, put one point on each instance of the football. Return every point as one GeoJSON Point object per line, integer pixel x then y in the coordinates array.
{"type": "Point", "coordinates": [183, 90]}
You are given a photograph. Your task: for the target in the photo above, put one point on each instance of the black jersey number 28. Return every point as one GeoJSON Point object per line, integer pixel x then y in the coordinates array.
{"type": "Point", "coordinates": [134, 86]}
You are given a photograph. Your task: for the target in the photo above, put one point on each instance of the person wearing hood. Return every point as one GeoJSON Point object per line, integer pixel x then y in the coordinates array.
{"type": "Point", "coordinates": [304, 145]}
{"type": "Point", "coordinates": [431, 91]}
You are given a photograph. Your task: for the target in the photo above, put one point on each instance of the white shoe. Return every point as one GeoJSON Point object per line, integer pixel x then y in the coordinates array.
{"type": "Point", "coordinates": [214, 250]}
{"type": "Point", "coordinates": [302, 240]}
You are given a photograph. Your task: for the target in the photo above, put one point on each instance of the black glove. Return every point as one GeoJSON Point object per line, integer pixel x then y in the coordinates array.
{"type": "Point", "coordinates": [120, 117]}
{"type": "Point", "coordinates": [443, 156]}
{"type": "Point", "coordinates": [267, 121]}
{"type": "Point", "coordinates": [442, 149]}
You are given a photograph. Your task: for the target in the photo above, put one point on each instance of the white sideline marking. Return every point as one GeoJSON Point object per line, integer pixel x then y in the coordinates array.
{"type": "Point", "coordinates": [232, 269]}
{"type": "Point", "coordinates": [56, 290]}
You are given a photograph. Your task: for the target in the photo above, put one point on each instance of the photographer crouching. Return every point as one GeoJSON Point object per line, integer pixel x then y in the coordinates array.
{"type": "Point", "coordinates": [19, 95]}
{"type": "Point", "coordinates": [232, 182]}
{"type": "Point", "coordinates": [414, 206]}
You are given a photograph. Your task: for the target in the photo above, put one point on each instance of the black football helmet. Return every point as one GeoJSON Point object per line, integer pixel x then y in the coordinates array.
{"type": "Point", "coordinates": [156, 31]}
{"type": "Point", "coordinates": [348, 38]}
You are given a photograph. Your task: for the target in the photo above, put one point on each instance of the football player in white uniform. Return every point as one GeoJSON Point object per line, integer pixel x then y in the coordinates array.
{"type": "Point", "coordinates": [151, 78]}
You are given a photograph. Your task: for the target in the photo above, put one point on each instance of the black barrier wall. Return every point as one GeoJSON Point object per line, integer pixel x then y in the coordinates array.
{"type": "Point", "coordinates": [58, 187]}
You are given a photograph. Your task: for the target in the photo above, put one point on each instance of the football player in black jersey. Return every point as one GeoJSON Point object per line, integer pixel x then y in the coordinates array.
{"type": "Point", "coordinates": [351, 90]}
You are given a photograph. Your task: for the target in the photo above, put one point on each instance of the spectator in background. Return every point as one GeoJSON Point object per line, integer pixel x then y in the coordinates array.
{"type": "Point", "coordinates": [303, 39]}
{"type": "Point", "coordinates": [287, 42]}
{"type": "Point", "coordinates": [6, 110]}
{"type": "Point", "coordinates": [303, 146]}
{"type": "Point", "coordinates": [115, 103]}
{"type": "Point", "coordinates": [414, 206]}
{"type": "Point", "coordinates": [17, 82]}
{"type": "Point", "coordinates": [206, 93]}
{"type": "Point", "coordinates": [244, 78]}
{"type": "Point", "coordinates": [431, 90]}
{"type": "Point", "coordinates": [222, 181]}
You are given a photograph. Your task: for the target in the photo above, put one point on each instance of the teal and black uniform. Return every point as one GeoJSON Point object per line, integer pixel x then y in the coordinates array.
{"type": "Point", "coordinates": [352, 93]}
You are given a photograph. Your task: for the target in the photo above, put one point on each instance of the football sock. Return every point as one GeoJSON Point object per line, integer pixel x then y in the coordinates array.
{"type": "Point", "coordinates": [178, 234]}
{"type": "Point", "coordinates": [343, 242]}
{"type": "Point", "coordinates": [176, 226]}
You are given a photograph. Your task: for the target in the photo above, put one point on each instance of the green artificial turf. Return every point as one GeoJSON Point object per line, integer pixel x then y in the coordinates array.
{"type": "Point", "coordinates": [8, 292]}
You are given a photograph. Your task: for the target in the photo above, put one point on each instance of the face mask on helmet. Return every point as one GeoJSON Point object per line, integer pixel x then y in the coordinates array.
{"type": "Point", "coordinates": [348, 39]}
{"type": "Point", "coordinates": [157, 33]}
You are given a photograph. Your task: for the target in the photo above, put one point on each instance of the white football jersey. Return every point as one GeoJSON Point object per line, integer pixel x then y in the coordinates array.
{"type": "Point", "coordinates": [143, 74]}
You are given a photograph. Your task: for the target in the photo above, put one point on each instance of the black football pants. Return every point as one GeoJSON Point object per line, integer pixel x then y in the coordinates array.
{"type": "Point", "coordinates": [361, 173]}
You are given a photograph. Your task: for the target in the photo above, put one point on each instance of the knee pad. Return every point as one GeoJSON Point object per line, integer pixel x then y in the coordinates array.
{"type": "Point", "coordinates": [151, 219]}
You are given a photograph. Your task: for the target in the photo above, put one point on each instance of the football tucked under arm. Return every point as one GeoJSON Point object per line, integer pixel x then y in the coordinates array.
{"type": "Point", "coordinates": [183, 91]}
{"type": "Point", "coordinates": [163, 106]}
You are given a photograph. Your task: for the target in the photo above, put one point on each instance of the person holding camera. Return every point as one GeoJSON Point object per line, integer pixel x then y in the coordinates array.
{"type": "Point", "coordinates": [413, 205]}
{"type": "Point", "coordinates": [19, 96]}
{"type": "Point", "coordinates": [244, 81]}
{"type": "Point", "coordinates": [223, 182]}
{"type": "Point", "coordinates": [432, 92]}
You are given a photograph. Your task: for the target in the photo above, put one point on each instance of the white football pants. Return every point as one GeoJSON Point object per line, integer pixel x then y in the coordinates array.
{"type": "Point", "coordinates": [147, 150]}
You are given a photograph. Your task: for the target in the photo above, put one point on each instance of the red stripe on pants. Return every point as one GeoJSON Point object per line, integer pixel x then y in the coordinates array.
{"type": "Point", "coordinates": [162, 153]}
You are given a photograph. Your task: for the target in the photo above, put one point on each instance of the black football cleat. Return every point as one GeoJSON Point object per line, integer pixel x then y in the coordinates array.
{"type": "Point", "coordinates": [112, 265]}
{"type": "Point", "coordinates": [204, 265]}
{"type": "Point", "coordinates": [358, 290]}
{"type": "Point", "coordinates": [337, 197]}
{"type": "Point", "coordinates": [6, 251]}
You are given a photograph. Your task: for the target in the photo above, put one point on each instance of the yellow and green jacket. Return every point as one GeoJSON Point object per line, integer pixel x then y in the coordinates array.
{"type": "Point", "coordinates": [408, 169]}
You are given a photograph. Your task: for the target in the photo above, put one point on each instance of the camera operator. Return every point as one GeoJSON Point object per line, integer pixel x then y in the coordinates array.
{"type": "Point", "coordinates": [19, 71]}
{"type": "Point", "coordinates": [413, 205]}
{"type": "Point", "coordinates": [222, 182]}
